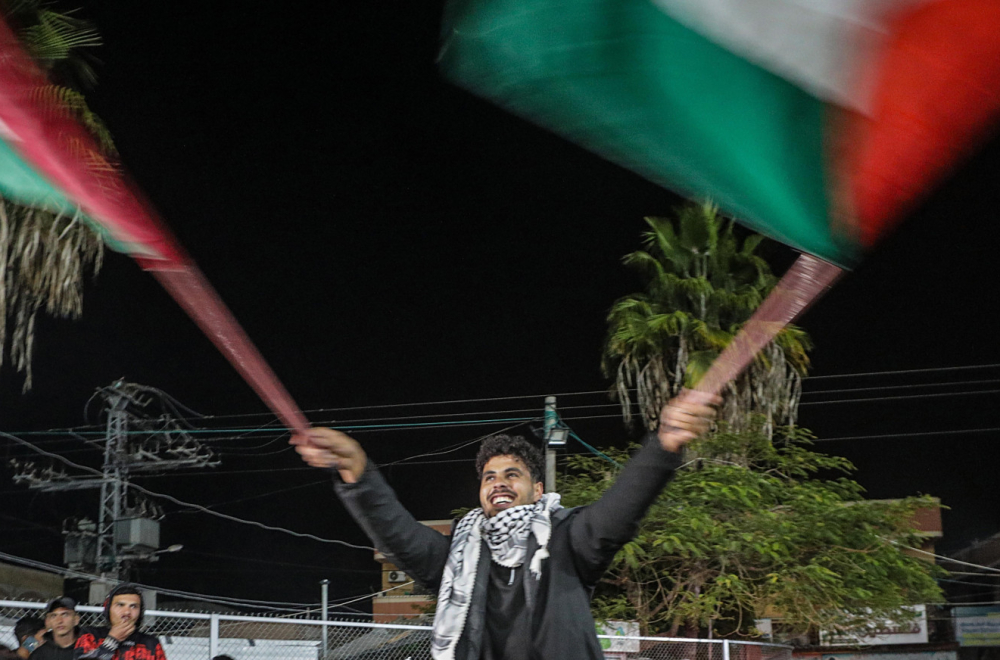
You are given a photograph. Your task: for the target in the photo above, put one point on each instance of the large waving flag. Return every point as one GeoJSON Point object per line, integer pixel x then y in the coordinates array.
{"type": "Point", "coordinates": [47, 160]}
{"type": "Point", "coordinates": [816, 122]}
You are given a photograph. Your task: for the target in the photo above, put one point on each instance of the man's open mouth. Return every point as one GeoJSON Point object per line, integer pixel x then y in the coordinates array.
{"type": "Point", "coordinates": [501, 498]}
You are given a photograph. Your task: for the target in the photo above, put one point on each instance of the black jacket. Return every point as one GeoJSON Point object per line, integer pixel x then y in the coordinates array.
{"type": "Point", "coordinates": [52, 651]}
{"type": "Point", "coordinates": [584, 541]}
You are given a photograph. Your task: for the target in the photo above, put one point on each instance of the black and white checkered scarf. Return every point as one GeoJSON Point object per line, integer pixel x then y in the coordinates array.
{"type": "Point", "coordinates": [506, 535]}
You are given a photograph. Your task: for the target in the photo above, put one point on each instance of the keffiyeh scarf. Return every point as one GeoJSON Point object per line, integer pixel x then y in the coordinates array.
{"type": "Point", "coordinates": [506, 536]}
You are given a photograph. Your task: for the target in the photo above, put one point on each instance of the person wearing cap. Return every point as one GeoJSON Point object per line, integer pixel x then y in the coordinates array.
{"type": "Point", "coordinates": [123, 639]}
{"type": "Point", "coordinates": [62, 626]}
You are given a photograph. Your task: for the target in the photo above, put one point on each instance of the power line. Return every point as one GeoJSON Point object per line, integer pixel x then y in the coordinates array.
{"type": "Point", "coordinates": [910, 386]}
{"type": "Point", "coordinates": [342, 601]}
{"type": "Point", "coordinates": [533, 396]}
{"type": "Point", "coordinates": [339, 427]}
{"type": "Point", "coordinates": [899, 397]}
{"type": "Point", "coordinates": [905, 371]}
{"type": "Point", "coordinates": [173, 499]}
{"type": "Point", "coordinates": [974, 584]}
{"type": "Point", "coordinates": [218, 600]}
{"type": "Point", "coordinates": [267, 494]}
{"type": "Point", "coordinates": [275, 562]}
{"type": "Point", "coordinates": [954, 561]}
{"type": "Point", "coordinates": [907, 435]}
{"type": "Point", "coordinates": [594, 451]}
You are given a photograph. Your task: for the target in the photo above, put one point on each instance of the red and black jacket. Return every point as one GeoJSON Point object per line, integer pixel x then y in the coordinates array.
{"type": "Point", "coordinates": [96, 644]}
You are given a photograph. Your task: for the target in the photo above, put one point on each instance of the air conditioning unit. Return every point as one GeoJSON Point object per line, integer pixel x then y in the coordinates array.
{"type": "Point", "coordinates": [397, 576]}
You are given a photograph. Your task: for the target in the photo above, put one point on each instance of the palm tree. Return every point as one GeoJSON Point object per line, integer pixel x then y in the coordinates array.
{"type": "Point", "coordinates": [702, 283]}
{"type": "Point", "coordinates": [45, 256]}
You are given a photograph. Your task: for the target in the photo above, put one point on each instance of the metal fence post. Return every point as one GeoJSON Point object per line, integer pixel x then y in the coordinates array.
{"type": "Point", "coordinates": [213, 637]}
{"type": "Point", "coordinates": [725, 649]}
{"type": "Point", "coordinates": [325, 596]}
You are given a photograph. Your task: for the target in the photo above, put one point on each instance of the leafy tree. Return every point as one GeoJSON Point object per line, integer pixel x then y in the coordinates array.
{"type": "Point", "coordinates": [702, 283]}
{"type": "Point", "coordinates": [45, 256]}
{"type": "Point", "coordinates": [749, 529]}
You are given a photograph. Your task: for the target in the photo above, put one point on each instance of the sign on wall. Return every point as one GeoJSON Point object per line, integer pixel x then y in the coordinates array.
{"type": "Point", "coordinates": [623, 629]}
{"type": "Point", "coordinates": [977, 626]}
{"type": "Point", "coordinates": [912, 631]}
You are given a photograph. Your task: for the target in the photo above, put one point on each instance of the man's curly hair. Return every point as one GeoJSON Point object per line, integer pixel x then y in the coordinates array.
{"type": "Point", "coordinates": [502, 444]}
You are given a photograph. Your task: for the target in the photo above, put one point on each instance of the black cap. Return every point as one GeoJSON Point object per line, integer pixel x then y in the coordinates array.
{"type": "Point", "coordinates": [61, 602]}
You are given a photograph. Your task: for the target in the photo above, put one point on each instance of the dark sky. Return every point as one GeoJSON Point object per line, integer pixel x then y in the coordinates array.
{"type": "Point", "coordinates": [387, 238]}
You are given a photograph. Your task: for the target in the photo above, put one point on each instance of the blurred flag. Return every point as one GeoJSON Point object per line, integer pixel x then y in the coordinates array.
{"type": "Point", "coordinates": [47, 160]}
{"type": "Point", "coordinates": [816, 122]}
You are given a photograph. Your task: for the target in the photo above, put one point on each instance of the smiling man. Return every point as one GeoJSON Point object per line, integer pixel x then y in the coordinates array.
{"type": "Point", "coordinates": [514, 581]}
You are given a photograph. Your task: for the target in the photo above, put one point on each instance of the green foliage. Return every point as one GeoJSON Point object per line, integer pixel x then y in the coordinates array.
{"type": "Point", "coordinates": [702, 282]}
{"type": "Point", "coordinates": [754, 528]}
{"type": "Point", "coordinates": [56, 41]}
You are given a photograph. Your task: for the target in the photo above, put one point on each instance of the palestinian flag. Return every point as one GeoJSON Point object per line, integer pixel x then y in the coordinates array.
{"type": "Point", "coordinates": [49, 161]}
{"type": "Point", "coordinates": [816, 122]}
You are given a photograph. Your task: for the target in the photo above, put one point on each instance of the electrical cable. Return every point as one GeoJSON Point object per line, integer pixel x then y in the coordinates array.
{"type": "Point", "coordinates": [267, 494]}
{"type": "Point", "coordinates": [339, 427]}
{"type": "Point", "coordinates": [974, 584]}
{"type": "Point", "coordinates": [955, 561]}
{"type": "Point", "coordinates": [911, 386]}
{"type": "Point", "coordinates": [532, 396]}
{"type": "Point", "coordinates": [906, 371]}
{"type": "Point", "coordinates": [907, 435]}
{"type": "Point", "coordinates": [346, 601]}
{"type": "Point", "coordinates": [275, 562]}
{"type": "Point", "coordinates": [218, 600]}
{"type": "Point", "coordinates": [173, 499]}
{"type": "Point", "coordinates": [593, 450]}
{"type": "Point", "coordinates": [900, 397]}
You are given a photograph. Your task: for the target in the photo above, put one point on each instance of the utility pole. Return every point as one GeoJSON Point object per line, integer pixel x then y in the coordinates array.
{"type": "Point", "coordinates": [115, 480]}
{"type": "Point", "coordinates": [554, 433]}
{"type": "Point", "coordinates": [551, 419]}
{"type": "Point", "coordinates": [128, 527]}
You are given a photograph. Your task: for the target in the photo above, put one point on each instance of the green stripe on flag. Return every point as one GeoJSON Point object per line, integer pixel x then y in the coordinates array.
{"type": "Point", "coordinates": [23, 185]}
{"type": "Point", "coordinates": [20, 183]}
{"type": "Point", "coordinates": [625, 80]}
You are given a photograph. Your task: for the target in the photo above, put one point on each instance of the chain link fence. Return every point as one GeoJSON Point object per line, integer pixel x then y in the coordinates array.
{"type": "Point", "coordinates": [204, 635]}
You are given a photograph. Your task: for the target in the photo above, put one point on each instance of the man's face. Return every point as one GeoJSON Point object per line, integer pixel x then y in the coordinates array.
{"type": "Point", "coordinates": [61, 621]}
{"type": "Point", "coordinates": [125, 607]}
{"type": "Point", "coordinates": [506, 483]}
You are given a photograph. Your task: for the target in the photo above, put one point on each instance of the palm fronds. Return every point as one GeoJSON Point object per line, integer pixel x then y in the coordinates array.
{"type": "Point", "coordinates": [701, 284]}
{"type": "Point", "coordinates": [45, 257]}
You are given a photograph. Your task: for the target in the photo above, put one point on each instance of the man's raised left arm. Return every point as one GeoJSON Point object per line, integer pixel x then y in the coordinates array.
{"type": "Point", "coordinates": [602, 528]}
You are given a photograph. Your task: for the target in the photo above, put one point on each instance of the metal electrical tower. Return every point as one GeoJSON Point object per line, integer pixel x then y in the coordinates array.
{"type": "Point", "coordinates": [136, 442]}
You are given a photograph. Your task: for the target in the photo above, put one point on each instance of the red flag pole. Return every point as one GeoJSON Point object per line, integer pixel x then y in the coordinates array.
{"type": "Point", "coordinates": [804, 283]}
{"type": "Point", "coordinates": [48, 138]}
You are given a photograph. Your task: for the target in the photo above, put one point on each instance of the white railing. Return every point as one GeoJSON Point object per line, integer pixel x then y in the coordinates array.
{"type": "Point", "coordinates": [205, 635]}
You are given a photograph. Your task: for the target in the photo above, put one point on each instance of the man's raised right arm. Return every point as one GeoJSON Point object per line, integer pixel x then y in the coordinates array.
{"type": "Point", "coordinates": [415, 548]}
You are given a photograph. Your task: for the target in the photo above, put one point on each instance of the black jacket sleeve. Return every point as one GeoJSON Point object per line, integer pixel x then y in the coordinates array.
{"type": "Point", "coordinates": [602, 528]}
{"type": "Point", "coordinates": [415, 548]}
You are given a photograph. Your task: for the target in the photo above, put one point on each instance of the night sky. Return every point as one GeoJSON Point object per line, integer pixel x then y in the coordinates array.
{"type": "Point", "coordinates": [386, 238]}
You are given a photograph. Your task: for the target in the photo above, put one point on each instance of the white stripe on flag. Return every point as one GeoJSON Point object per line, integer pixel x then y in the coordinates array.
{"type": "Point", "coordinates": [822, 46]}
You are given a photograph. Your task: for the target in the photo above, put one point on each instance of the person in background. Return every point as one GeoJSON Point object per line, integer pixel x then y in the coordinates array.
{"type": "Point", "coordinates": [29, 631]}
{"type": "Point", "coordinates": [124, 639]}
{"type": "Point", "coordinates": [62, 623]}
